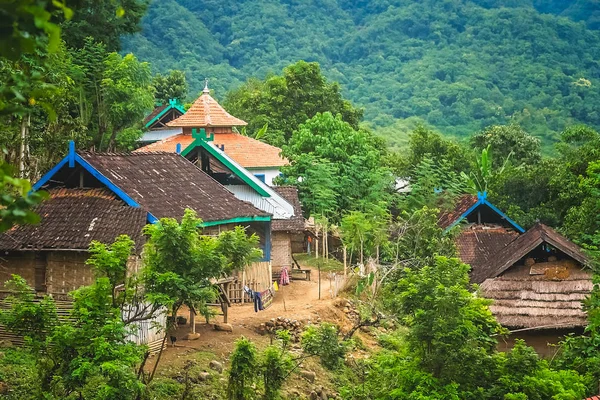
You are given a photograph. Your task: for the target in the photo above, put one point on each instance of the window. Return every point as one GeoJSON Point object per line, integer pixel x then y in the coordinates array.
{"type": "Point", "coordinates": [261, 177]}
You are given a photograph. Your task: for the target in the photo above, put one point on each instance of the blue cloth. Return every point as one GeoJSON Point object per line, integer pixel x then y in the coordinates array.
{"type": "Point", "coordinates": [258, 306]}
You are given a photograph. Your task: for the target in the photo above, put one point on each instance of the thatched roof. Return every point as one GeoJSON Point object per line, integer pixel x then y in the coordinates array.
{"type": "Point", "coordinates": [539, 281]}
{"type": "Point", "coordinates": [551, 300]}
{"type": "Point", "coordinates": [527, 242]}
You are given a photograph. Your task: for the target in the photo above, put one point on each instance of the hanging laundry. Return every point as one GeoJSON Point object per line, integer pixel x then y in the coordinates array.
{"type": "Point", "coordinates": [258, 305]}
{"type": "Point", "coordinates": [275, 286]}
{"type": "Point", "coordinates": [284, 279]}
{"type": "Point", "coordinates": [256, 297]}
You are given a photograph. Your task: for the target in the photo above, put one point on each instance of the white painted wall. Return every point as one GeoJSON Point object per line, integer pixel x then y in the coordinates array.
{"type": "Point", "coordinates": [270, 173]}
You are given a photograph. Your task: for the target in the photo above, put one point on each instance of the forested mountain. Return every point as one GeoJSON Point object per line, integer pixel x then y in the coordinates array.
{"type": "Point", "coordinates": [459, 65]}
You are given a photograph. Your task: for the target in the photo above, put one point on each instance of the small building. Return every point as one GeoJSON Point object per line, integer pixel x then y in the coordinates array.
{"type": "Point", "coordinates": [537, 284]}
{"type": "Point", "coordinates": [155, 123]}
{"type": "Point", "coordinates": [97, 196]}
{"type": "Point", "coordinates": [484, 231]}
{"type": "Point", "coordinates": [287, 232]}
{"type": "Point", "coordinates": [261, 159]}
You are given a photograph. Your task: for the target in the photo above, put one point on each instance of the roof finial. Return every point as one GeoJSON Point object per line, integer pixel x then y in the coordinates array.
{"type": "Point", "coordinates": [206, 90]}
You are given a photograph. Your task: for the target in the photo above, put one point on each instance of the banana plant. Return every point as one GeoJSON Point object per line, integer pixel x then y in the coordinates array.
{"type": "Point", "coordinates": [480, 178]}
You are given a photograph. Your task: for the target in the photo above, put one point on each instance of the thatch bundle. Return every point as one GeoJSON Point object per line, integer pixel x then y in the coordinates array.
{"type": "Point", "coordinates": [539, 300]}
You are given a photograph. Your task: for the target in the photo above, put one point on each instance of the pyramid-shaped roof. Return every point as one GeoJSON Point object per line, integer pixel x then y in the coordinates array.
{"type": "Point", "coordinates": [206, 112]}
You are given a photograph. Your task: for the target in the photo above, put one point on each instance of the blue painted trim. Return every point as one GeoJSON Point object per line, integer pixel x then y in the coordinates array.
{"type": "Point", "coordinates": [71, 154]}
{"type": "Point", "coordinates": [482, 200]}
{"type": "Point", "coordinates": [464, 215]}
{"type": "Point", "coordinates": [48, 175]}
{"type": "Point", "coordinates": [513, 223]}
{"type": "Point", "coordinates": [152, 219]}
{"type": "Point", "coordinates": [178, 148]}
{"type": "Point", "coordinates": [260, 177]}
{"type": "Point", "coordinates": [267, 253]}
{"type": "Point", "coordinates": [114, 188]}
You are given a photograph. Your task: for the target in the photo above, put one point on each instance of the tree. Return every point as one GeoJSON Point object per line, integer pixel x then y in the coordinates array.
{"type": "Point", "coordinates": [285, 102]}
{"type": "Point", "coordinates": [127, 93]}
{"type": "Point", "coordinates": [353, 159]}
{"type": "Point", "coordinates": [450, 330]}
{"type": "Point", "coordinates": [180, 263]}
{"type": "Point", "coordinates": [508, 140]}
{"type": "Point", "coordinates": [483, 173]}
{"type": "Point", "coordinates": [17, 200]}
{"type": "Point", "coordinates": [425, 143]}
{"type": "Point", "coordinates": [87, 356]}
{"type": "Point", "coordinates": [170, 87]}
{"type": "Point", "coordinates": [243, 371]}
{"type": "Point", "coordinates": [105, 21]}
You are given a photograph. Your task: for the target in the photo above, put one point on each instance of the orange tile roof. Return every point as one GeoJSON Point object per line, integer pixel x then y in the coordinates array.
{"type": "Point", "coordinates": [246, 151]}
{"type": "Point", "coordinates": [206, 112]}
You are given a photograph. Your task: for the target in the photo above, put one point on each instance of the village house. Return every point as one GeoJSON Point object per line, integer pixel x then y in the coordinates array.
{"type": "Point", "coordinates": [536, 279]}
{"type": "Point", "coordinates": [204, 151]}
{"type": "Point", "coordinates": [537, 284]}
{"type": "Point", "coordinates": [155, 123]}
{"type": "Point", "coordinates": [96, 196]}
{"type": "Point", "coordinates": [262, 159]}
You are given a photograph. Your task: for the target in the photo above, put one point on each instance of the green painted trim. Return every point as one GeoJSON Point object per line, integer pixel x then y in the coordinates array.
{"type": "Point", "coordinates": [265, 218]}
{"type": "Point", "coordinates": [163, 112]}
{"type": "Point", "coordinates": [217, 154]}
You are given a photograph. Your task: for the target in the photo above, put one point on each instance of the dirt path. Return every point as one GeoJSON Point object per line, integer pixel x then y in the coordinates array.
{"type": "Point", "coordinates": [299, 300]}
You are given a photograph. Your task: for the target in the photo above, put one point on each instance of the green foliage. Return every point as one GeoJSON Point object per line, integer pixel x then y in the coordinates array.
{"type": "Point", "coordinates": [364, 233]}
{"type": "Point", "coordinates": [106, 21]}
{"type": "Point", "coordinates": [483, 174]}
{"type": "Point", "coordinates": [16, 199]}
{"type": "Point", "coordinates": [457, 65]}
{"type": "Point", "coordinates": [179, 262]}
{"type": "Point", "coordinates": [351, 158]}
{"type": "Point", "coordinates": [450, 329]}
{"type": "Point", "coordinates": [86, 357]}
{"type": "Point", "coordinates": [27, 25]}
{"type": "Point", "coordinates": [238, 248]}
{"type": "Point", "coordinates": [285, 102]}
{"type": "Point", "coordinates": [508, 141]}
{"type": "Point", "coordinates": [242, 374]}
{"type": "Point", "coordinates": [416, 238]}
{"type": "Point", "coordinates": [111, 260]}
{"type": "Point", "coordinates": [170, 87]}
{"type": "Point", "coordinates": [25, 317]}
{"type": "Point", "coordinates": [275, 367]}
{"type": "Point", "coordinates": [127, 93]}
{"type": "Point", "coordinates": [433, 184]}
{"type": "Point", "coordinates": [424, 144]}
{"type": "Point", "coordinates": [324, 342]}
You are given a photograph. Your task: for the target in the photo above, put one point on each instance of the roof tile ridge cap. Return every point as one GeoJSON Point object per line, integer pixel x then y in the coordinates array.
{"type": "Point", "coordinates": [206, 101]}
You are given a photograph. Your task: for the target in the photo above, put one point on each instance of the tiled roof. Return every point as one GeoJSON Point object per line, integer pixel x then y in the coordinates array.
{"type": "Point", "coordinates": [296, 223]}
{"type": "Point", "coordinates": [157, 110]}
{"type": "Point", "coordinates": [206, 112]}
{"type": "Point", "coordinates": [528, 241]}
{"type": "Point", "coordinates": [593, 398]}
{"type": "Point", "coordinates": [477, 246]}
{"type": "Point", "coordinates": [463, 204]}
{"type": "Point", "coordinates": [246, 151]}
{"type": "Point", "coordinates": [165, 184]}
{"type": "Point", "coordinates": [72, 218]}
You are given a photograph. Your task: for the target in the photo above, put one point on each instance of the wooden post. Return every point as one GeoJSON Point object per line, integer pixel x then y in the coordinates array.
{"type": "Point", "coordinates": [319, 266]}
{"type": "Point", "coordinates": [345, 262]}
{"type": "Point", "coordinates": [316, 247]}
{"type": "Point", "coordinates": [193, 321]}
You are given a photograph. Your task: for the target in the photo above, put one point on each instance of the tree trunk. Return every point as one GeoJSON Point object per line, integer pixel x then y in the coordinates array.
{"type": "Point", "coordinates": [345, 263]}
{"type": "Point", "coordinates": [24, 129]}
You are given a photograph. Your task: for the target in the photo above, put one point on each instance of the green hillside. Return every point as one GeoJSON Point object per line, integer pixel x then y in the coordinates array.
{"type": "Point", "coordinates": [457, 65]}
